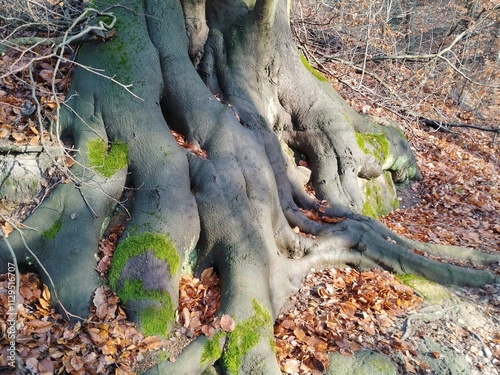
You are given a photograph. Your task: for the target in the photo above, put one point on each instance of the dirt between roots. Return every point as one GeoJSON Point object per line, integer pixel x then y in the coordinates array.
{"type": "Point", "coordinates": [458, 333]}
{"type": "Point", "coordinates": [408, 197]}
{"type": "Point", "coordinates": [453, 331]}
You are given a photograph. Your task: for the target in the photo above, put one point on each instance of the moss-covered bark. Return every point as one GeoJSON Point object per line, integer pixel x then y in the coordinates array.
{"type": "Point", "coordinates": [234, 85]}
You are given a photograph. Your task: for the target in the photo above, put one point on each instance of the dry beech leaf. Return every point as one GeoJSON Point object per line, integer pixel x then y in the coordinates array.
{"type": "Point", "coordinates": [69, 161]}
{"type": "Point", "coordinates": [34, 141]}
{"type": "Point", "coordinates": [185, 316]}
{"type": "Point", "coordinates": [151, 343]}
{"type": "Point", "coordinates": [100, 302]}
{"type": "Point", "coordinates": [208, 330]}
{"type": "Point", "coordinates": [44, 303]}
{"type": "Point", "coordinates": [227, 323]}
{"type": "Point", "coordinates": [77, 363]}
{"type": "Point", "coordinates": [6, 229]}
{"type": "Point", "coordinates": [46, 293]}
{"type": "Point", "coordinates": [46, 75]}
{"type": "Point", "coordinates": [207, 273]}
{"type": "Point", "coordinates": [109, 347]}
{"type": "Point", "coordinates": [288, 323]}
{"type": "Point", "coordinates": [51, 105]}
{"type": "Point", "coordinates": [436, 355]}
{"type": "Point", "coordinates": [34, 129]}
{"type": "Point", "coordinates": [32, 363]}
{"type": "Point", "coordinates": [19, 137]}
{"type": "Point", "coordinates": [291, 366]}
{"type": "Point", "coordinates": [104, 264]}
{"type": "Point", "coordinates": [369, 328]}
{"type": "Point", "coordinates": [190, 147]}
{"type": "Point", "coordinates": [299, 333]}
{"type": "Point", "coordinates": [46, 366]}
{"type": "Point", "coordinates": [4, 133]}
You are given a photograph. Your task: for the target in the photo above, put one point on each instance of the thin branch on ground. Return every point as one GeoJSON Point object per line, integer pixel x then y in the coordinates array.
{"type": "Point", "coordinates": [443, 126]}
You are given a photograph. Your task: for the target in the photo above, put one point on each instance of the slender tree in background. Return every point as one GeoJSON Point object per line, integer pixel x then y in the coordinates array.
{"type": "Point", "coordinates": [227, 76]}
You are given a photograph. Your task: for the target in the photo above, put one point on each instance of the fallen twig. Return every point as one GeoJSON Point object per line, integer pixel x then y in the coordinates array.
{"type": "Point", "coordinates": [443, 126]}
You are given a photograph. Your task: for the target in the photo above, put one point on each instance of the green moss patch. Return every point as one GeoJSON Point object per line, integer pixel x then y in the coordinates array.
{"type": "Point", "coordinates": [368, 210]}
{"type": "Point", "coordinates": [378, 199]}
{"type": "Point", "coordinates": [212, 350]}
{"type": "Point", "coordinates": [105, 162]}
{"type": "Point", "coordinates": [51, 233]}
{"type": "Point", "coordinates": [374, 144]}
{"type": "Point", "coordinates": [132, 290]}
{"type": "Point", "coordinates": [154, 320]}
{"type": "Point", "coordinates": [244, 337]}
{"type": "Point", "coordinates": [431, 292]}
{"type": "Point", "coordinates": [314, 72]}
{"type": "Point", "coordinates": [157, 320]}
{"type": "Point", "coordinates": [139, 244]}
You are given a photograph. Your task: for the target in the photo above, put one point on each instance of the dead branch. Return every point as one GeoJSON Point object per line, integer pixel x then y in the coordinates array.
{"type": "Point", "coordinates": [443, 126]}
{"type": "Point", "coordinates": [30, 41]}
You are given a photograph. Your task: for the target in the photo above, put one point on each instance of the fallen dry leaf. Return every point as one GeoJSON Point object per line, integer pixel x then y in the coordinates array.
{"type": "Point", "coordinates": [227, 323]}
{"type": "Point", "coordinates": [336, 308]}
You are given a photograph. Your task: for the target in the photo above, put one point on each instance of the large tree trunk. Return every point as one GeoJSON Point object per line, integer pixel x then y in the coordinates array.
{"type": "Point", "coordinates": [228, 77]}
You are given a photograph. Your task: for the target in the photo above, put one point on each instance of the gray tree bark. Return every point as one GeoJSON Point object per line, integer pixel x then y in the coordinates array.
{"type": "Point", "coordinates": [227, 76]}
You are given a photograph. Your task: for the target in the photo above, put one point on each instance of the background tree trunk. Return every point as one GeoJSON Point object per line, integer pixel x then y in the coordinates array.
{"type": "Point", "coordinates": [233, 84]}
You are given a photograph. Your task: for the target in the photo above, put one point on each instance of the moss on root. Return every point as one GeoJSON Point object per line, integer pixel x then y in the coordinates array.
{"type": "Point", "coordinates": [139, 244]}
{"type": "Point", "coordinates": [376, 202]}
{"type": "Point", "coordinates": [105, 162]}
{"type": "Point", "coordinates": [158, 320]}
{"type": "Point", "coordinates": [51, 233]}
{"type": "Point", "coordinates": [430, 291]}
{"type": "Point", "coordinates": [154, 320]}
{"type": "Point", "coordinates": [212, 350]}
{"type": "Point", "coordinates": [374, 144]}
{"type": "Point", "coordinates": [372, 202]}
{"type": "Point", "coordinates": [244, 337]}
{"type": "Point", "coordinates": [314, 72]}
